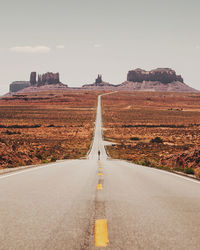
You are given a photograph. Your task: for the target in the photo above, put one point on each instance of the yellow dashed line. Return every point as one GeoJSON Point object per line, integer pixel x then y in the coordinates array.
{"type": "Point", "coordinates": [101, 233]}
{"type": "Point", "coordinates": [99, 186]}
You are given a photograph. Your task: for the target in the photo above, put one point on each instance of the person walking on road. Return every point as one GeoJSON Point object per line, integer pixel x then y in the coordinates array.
{"type": "Point", "coordinates": [99, 155]}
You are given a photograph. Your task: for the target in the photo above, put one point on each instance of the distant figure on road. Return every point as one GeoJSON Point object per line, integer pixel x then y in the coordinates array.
{"type": "Point", "coordinates": [99, 154]}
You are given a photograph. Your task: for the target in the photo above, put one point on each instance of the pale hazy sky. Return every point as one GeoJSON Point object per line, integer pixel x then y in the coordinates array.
{"type": "Point", "coordinates": [81, 38]}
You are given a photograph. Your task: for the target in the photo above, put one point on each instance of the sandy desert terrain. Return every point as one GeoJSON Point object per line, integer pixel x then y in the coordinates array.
{"type": "Point", "coordinates": [150, 127]}
{"type": "Point", "coordinates": [43, 127]}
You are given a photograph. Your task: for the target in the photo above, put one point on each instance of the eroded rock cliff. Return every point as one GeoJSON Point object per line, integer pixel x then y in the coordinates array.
{"type": "Point", "coordinates": [163, 75]}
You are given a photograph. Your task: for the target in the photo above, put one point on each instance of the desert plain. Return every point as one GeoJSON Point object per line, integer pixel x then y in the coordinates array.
{"type": "Point", "coordinates": [42, 127]}
{"type": "Point", "coordinates": [155, 129]}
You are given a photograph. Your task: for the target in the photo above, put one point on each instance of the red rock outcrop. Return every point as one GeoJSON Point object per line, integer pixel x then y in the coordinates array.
{"type": "Point", "coordinates": [160, 80]}
{"type": "Point", "coordinates": [155, 86]}
{"type": "Point", "coordinates": [18, 85]}
{"type": "Point", "coordinates": [48, 78]}
{"type": "Point", "coordinates": [163, 75]}
{"type": "Point", "coordinates": [99, 79]}
{"type": "Point", "coordinates": [184, 160]}
{"type": "Point", "coordinates": [99, 84]}
{"type": "Point", "coordinates": [33, 78]}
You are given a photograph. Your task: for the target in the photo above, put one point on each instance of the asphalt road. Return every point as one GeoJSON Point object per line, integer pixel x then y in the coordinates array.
{"type": "Point", "coordinates": [57, 206]}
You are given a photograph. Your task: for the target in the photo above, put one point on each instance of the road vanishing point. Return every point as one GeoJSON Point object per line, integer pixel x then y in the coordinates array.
{"type": "Point", "coordinates": [98, 204]}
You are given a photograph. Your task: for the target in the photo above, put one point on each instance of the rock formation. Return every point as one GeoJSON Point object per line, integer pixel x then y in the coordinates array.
{"type": "Point", "coordinates": [163, 75]}
{"type": "Point", "coordinates": [44, 79]}
{"type": "Point", "coordinates": [161, 80]}
{"type": "Point", "coordinates": [19, 85]}
{"type": "Point", "coordinates": [99, 84]}
{"type": "Point", "coordinates": [99, 79]}
{"type": "Point", "coordinates": [33, 78]}
{"type": "Point", "coordinates": [48, 78]}
{"type": "Point", "coordinates": [187, 159]}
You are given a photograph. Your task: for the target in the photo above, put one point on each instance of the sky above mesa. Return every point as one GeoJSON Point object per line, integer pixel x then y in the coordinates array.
{"type": "Point", "coordinates": [83, 38]}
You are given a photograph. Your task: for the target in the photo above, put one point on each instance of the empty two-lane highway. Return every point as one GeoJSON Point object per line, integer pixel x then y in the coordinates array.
{"type": "Point", "coordinates": [91, 204]}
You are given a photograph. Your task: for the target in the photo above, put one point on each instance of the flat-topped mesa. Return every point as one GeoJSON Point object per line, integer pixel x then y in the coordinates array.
{"type": "Point", "coordinates": [163, 75]}
{"type": "Point", "coordinates": [18, 85]}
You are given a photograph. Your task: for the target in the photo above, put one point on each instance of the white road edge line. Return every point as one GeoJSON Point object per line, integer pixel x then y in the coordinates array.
{"type": "Point", "coordinates": [169, 173]}
{"type": "Point", "coordinates": [180, 176]}
{"type": "Point", "coordinates": [23, 171]}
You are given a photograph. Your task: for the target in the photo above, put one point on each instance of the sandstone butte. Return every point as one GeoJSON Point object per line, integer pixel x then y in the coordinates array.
{"type": "Point", "coordinates": [160, 80]}
{"type": "Point", "coordinates": [48, 80]}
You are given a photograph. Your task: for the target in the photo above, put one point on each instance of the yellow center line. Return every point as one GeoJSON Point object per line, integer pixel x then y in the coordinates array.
{"type": "Point", "coordinates": [99, 186]}
{"type": "Point", "coordinates": [100, 174]}
{"type": "Point", "coordinates": [101, 233]}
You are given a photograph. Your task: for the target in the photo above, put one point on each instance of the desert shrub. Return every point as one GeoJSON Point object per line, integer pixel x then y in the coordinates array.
{"type": "Point", "coordinates": [24, 126]}
{"type": "Point", "coordinates": [127, 126]}
{"type": "Point", "coordinates": [144, 162]}
{"type": "Point", "coordinates": [39, 156]}
{"type": "Point", "coordinates": [178, 168]}
{"type": "Point", "coordinates": [51, 126]}
{"type": "Point", "coordinates": [53, 159]}
{"type": "Point", "coordinates": [156, 140]}
{"type": "Point", "coordinates": [189, 171]}
{"type": "Point", "coordinates": [135, 138]}
{"type": "Point", "coordinates": [29, 162]}
{"type": "Point", "coordinates": [45, 161]}
{"type": "Point", "coordinates": [12, 132]}
{"type": "Point", "coordinates": [154, 126]}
